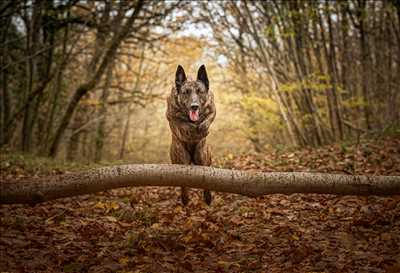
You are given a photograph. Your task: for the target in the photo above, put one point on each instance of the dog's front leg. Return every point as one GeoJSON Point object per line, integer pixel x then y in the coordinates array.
{"type": "Point", "coordinates": [179, 155]}
{"type": "Point", "coordinates": [202, 156]}
{"type": "Point", "coordinates": [205, 124]}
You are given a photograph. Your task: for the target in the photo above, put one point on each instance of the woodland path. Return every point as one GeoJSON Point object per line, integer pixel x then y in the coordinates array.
{"type": "Point", "coordinates": [147, 230]}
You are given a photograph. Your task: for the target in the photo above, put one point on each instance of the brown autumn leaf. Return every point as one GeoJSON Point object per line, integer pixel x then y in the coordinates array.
{"type": "Point", "coordinates": [277, 233]}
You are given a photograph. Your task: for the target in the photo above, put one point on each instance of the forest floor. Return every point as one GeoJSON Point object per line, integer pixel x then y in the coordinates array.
{"type": "Point", "coordinates": [147, 229]}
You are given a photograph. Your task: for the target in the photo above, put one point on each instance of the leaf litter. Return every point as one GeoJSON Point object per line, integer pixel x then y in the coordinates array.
{"type": "Point", "coordinates": [147, 229]}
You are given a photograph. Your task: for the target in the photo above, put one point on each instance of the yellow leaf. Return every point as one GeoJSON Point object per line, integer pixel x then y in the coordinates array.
{"type": "Point", "coordinates": [100, 205]}
{"type": "Point", "coordinates": [123, 261]}
{"type": "Point", "coordinates": [111, 218]}
{"type": "Point", "coordinates": [187, 238]}
{"type": "Point", "coordinates": [114, 205]}
{"type": "Point", "coordinates": [156, 226]}
{"type": "Point", "coordinates": [178, 209]}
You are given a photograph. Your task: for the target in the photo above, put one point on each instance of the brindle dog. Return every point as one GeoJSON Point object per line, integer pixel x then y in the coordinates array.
{"type": "Point", "coordinates": [190, 112]}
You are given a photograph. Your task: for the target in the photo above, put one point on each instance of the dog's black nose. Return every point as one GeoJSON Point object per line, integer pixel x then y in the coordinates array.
{"type": "Point", "coordinates": [194, 107]}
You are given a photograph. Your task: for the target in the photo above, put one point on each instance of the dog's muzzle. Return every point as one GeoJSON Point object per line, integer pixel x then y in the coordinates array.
{"type": "Point", "coordinates": [194, 112]}
{"type": "Point", "coordinates": [194, 106]}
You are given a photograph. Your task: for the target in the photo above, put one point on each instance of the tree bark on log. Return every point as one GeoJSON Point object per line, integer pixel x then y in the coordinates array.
{"type": "Point", "coordinates": [246, 183]}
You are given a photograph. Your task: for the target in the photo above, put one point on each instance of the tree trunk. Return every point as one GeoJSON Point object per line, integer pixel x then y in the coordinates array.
{"type": "Point", "coordinates": [345, 61]}
{"type": "Point", "coordinates": [5, 103]}
{"type": "Point", "coordinates": [125, 134]}
{"type": "Point", "coordinates": [332, 68]}
{"type": "Point", "coordinates": [54, 103]}
{"type": "Point", "coordinates": [32, 44]}
{"type": "Point", "coordinates": [127, 125]}
{"type": "Point", "coordinates": [90, 84]}
{"type": "Point", "coordinates": [251, 184]}
{"type": "Point", "coordinates": [297, 45]}
{"type": "Point", "coordinates": [100, 134]}
{"type": "Point", "coordinates": [331, 93]}
{"type": "Point", "coordinates": [365, 62]}
{"type": "Point", "coordinates": [393, 101]}
{"type": "Point", "coordinates": [294, 130]}
{"type": "Point", "coordinates": [296, 136]}
{"type": "Point", "coordinates": [72, 148]}
{"type": "Point", "coordinates": [73, 142]}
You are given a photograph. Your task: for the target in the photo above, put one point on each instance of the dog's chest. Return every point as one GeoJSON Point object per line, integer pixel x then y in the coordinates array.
{"type": "Point", "coordinates": [192, 133]}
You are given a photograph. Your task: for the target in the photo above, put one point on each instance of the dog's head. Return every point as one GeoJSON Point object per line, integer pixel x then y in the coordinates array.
{"type": "Point", "coordinates": [192, 95]}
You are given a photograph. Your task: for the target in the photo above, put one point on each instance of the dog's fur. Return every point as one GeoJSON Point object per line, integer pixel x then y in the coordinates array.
{"type": "Point", "coordinates": [189, 130]}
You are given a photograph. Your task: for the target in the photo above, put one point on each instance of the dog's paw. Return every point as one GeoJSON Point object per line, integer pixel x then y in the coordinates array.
{"type": "Point", "coordinates": [185, 200]}
{"type": "Point", "coordinates": [184, 196]}
{"type": "Point", "coordinates": [207, 197]}
{"type": "Point", "coordinates": [203, 127]}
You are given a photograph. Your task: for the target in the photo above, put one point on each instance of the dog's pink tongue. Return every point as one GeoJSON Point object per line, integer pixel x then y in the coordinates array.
{"type": "Point", "coordinates": [194, 115]}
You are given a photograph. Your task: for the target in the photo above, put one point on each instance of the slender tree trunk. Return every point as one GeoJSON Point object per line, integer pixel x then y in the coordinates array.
{"type": "Point", "coordinates": [345, 61]}
{"type": "Point", "coordinates": [91, 84]}
{"type": "Point", "coordinates": [41, 86]}
{"type": "Point", "coordinates": [296, 136]}
{"type": "Point", "coordinates": [5, 103]}
{"type": "Point", "coordinates": [73, 146]}
{"type": "Point", "coordinates": [127, 125]}
{"type": "Point", "coordinates": [393, 67]}
{"type": "Point", "coordinates": [33, 43]}
{"type": "Point", "coordinates": [100, 134]}
{"type": "Point", "coordinates": [294, 130]}
{"type": "Point", "coordinates": [322, 72]}
{"type": "Point", "coordinates": [296, 45]}
{"type": "Point", "coordinates": [334, 80]}
{"type": "Point", "coordinates": [331, 94]}
{"type": "Point", "coordinates": [365, 62]}
{"type": "Point", "coordinates": [80, 115]}
{"type": "Point", "coordinates": [56, 92]}
{"type": "Point", "coordinates": [85, 145]}
{"type": "Point", "coordinates": [73, 143]}
{"type": "Point", "coordinates": [48, 34]}
{"type": "Point", "coordinates": [125, 133]}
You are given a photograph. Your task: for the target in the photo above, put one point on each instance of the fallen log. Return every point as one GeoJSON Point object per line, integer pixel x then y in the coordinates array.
{"type": "Point", "coordinates": [248, 183]}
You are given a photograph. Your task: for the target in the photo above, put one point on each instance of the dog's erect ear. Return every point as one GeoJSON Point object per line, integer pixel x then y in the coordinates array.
{"type": "Point", "coordinates": [202, 76]}
{"type": "Point", "coordinates": [180, 77]}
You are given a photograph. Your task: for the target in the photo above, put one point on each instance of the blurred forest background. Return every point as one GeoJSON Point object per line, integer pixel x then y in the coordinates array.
{"type": "Point", "coordinates": [86, 81]}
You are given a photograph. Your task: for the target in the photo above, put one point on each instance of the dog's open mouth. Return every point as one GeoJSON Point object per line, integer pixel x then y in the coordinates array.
{"type": "Point", "coordinates": [194, 115]}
